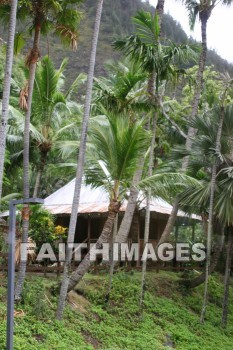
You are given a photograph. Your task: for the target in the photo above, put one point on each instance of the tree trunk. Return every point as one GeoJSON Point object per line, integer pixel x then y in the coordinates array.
{"type": "Point", "coordinates": [83, 267]}
{"type": "Point", "coordinates": [191, 132]}
{"type": "Point", "coordinates": [147, 217]}
{"type": "Point", "coordinates": [37, 183]}
{"type": "Point", "coordinates": [217, 250]}
{"type": "Point", "coordinates": [135, 227]}
{"type": "Point", "coordinates": [170, 223]}
{"type": "Point", "coordinates": [26, 180]}
{"type": "Point", "coordinates": [43, 157]}
{"type": "Point", "coordinates": [123, 232]}
{"type": "Point", "coordinates": [211, 214]}
{"type": "Point", "coordinates": [160, 10]}
{"type": "Point", "coordinates": [198, 88]}
{"type": "Point", "coordinates": [124, 229]}
{"type": "Point", "coordinates": [112, 262]}
{"type": "Point", "coordinates": [81, 159]}
{"type": "Point", "coordinates": [227, 278]}
{"type": "Point", "coordinates": [155, 98]}
{"type": "Point", "coordinates": [209, 240]}
{"type": "Point", "coordinates": [6, 88]}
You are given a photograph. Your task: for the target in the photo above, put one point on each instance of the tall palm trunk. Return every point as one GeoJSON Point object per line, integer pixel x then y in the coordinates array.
{"type": "Point", "coordinates": [160, 10]}
{"type": "Point", "coordinates": [33, 58]}
{"type": "Point", "coordinates": [83, 267]}
{"type": "Point", "coordinates": [227, 278]}
{"type": "Point", "coordinates": [191, 131]}
{"type": "Point", "coordinates": [148, 199]}
{"type": "Point", "coordinates": [211, 215]}
{"type": "Point", "coordinates": [43, 158]}
{"type": "Point", "coordinates": [123, 232]}
{"type": "Point", "coordinates": [112, 262]}
{"type": "Point", "coordinates": [217, 250]}
{"type": "Point", "coordinates": [81, 159]}
{"type": "Point", "coordinates": [198, 87]}
{"type": "Point", "coordinates": [6, 88]}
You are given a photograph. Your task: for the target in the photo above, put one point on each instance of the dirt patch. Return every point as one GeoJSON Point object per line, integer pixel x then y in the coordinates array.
{"type": "Point", "coordinates": [89, 339]}
{"type": "Point", "coordinates": [162, 287]}
{"type": "Point", "coordinates": [169, 342]}
{"type": "Point", "coordinates": [78, 302]}
{"type": "Point", "coordinates": [39, 337]}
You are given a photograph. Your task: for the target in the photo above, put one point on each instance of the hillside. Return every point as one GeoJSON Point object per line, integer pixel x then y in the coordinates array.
{"type": "Point", "coordinates": [170, 318]}
{"type": "Point", "coordinates": [116, 22]}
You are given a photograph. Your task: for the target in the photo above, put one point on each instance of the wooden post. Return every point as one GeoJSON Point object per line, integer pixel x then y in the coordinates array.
{"type": "Point", "coordinates": [176, 240]}
{"type": "Point", "coordinates": [58, 268]}
{"type": "Point", "coordinates": [193, 233]}
{"type": "Point", "coordinates": [88, 231]}
{"type": "Point", "coordinates": [176, 233]}
{"type": "Point", "coordinates": [139, 225]}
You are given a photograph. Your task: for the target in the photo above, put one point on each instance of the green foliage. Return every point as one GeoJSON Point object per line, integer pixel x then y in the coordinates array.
{"type": "Point", "coordinates": [196, 197]}
{"type": "Point", "coordinates": [123, 90]}
{"type": "Point", "coordinates": [42, 225]}
{"type": "Point", "coordinates": [170, 316]}
{"type": "Point", "coordinates": [19, 43]}
{"type": "Point", "coordinates": [34, 294]}
{"type": "Point", "coordinates": [116, 145]}
{"type": "Point", "coordinates": [60, 17]}
{"type": "Point", "coordinates": [43, 228]}
{"type": "Point", "coordinates": [144, 49]}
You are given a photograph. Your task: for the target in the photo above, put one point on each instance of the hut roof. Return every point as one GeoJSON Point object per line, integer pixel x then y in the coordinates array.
{"type": "Point", "coordinates": [96, 200]}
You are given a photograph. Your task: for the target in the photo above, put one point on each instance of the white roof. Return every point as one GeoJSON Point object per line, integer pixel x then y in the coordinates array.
{"type": "Point", "coordinates": [96, 200]}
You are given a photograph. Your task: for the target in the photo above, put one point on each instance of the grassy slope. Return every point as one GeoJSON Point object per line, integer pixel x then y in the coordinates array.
{"type": "Point", "coordinates": [171, 316]}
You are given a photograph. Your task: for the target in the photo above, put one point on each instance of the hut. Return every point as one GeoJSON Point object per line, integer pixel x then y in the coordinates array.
{"type": "Point", "coordinates": [93, 210]}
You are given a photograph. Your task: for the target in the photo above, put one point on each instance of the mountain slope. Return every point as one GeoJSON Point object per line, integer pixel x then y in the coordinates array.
{"type": "Point", "coordinates": [116, 22]}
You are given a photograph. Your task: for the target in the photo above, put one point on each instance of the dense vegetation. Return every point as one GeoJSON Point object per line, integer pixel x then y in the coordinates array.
{"type": "Point", "coordinates": [155, 121]}
{"type": "Point", "coordinates": [170, 318]}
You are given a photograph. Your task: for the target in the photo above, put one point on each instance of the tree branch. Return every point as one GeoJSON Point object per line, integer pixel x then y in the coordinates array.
{"type": "Point", "coordinates": [172, 121]}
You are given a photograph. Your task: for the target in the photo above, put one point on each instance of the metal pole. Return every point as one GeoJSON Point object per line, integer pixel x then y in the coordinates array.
{"type": "Point", "coordinates": [11, 277]}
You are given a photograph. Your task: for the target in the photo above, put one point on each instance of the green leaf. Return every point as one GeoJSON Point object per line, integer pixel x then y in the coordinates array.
{"type": "Point", "coordinates": [19, 43]}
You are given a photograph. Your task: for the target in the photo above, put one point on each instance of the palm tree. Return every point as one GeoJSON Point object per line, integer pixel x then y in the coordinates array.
{"type": "Point", "coordinates": [116, 145]}
{"type": "Point", "coordinates": [123, 90]}
{"type": "Point", "coordinates": [199, 196]}
{"type": "Point", "coordinates": [44, 15]}
{"type": "Point", "coordinates": [81, 158]}
{"type": "Point", "coordinates": [227, 278]}
{"type": "Point", "coordinates": [159, 12]}
{"type": "Point", "coordinates": [147, 216]}
{"type": "Point", "coordinates": [116, 148]}
{"type": "Point", "coordinates": [6, 87]}
{"type": "Point", "coordinates": [202, 156]}
{"type": "Point", "coordinates": [144, 49]}
{"type": "Point", "coordinates": [158, 61]}
{"type": "Point", "coordinates": [202, 9]}
{"type": "Point", "coordinates": [213, 194]}
{"type": "Point", "coordinates": [211, 210]}
{"type": "Point", "coordinates": [51, 112]}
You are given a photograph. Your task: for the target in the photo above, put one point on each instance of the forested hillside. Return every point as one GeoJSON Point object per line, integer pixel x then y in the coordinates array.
{"type": "Point", "coordinates": [116, 22]}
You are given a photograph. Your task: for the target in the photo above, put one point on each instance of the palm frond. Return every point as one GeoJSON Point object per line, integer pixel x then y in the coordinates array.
{"type": "Point", "coordinates": [117, 144]}
{"type": "Point", "coordinates": [167, 185]}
